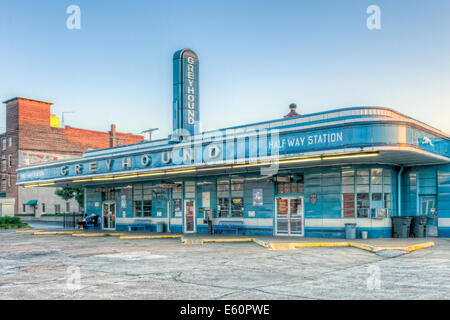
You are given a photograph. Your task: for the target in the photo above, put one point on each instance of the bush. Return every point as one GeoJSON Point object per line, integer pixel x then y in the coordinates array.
{"type": "Point", "coordinates": [10, 220]}
{"type": "Point", "coordinates": [12, 223]}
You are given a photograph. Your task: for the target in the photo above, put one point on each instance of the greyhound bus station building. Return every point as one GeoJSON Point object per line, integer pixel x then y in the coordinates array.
{"type": "Point", "coordinates": [300, 175]}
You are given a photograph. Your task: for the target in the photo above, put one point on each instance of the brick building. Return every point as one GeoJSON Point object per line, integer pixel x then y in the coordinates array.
{"type": "Point", "coordinates": [33, 136]}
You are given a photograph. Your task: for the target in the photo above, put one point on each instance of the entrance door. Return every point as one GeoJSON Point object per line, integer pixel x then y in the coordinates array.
{"type": "Point", "coordinates": [189, 216]}
{"type": "Point", "coordinates": [289, 216]}
{"type": "Point", "coordinates": [109, 216]}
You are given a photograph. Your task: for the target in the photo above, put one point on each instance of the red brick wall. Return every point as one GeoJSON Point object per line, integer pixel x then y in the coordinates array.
{"type": "Point", "coordinates": [28, 123]}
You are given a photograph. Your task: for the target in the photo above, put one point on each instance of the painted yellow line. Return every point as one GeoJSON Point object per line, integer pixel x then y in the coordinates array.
{"type": "Point", "coordinates": [25, 231]}
{"type": "Point", "coordinates": [362, 246]}
{"type": "Point", "coordinates": [320, 244]}
{"type": "Point", "coordinates": [420, 246]}
{"type": "Point", "coordinates": [370, 248]}
{"type": "Point", "coordinates": [150, 237]}
{"type": "Point", "coordinates": [56, 232]}
{"type": "Point", "coordinates": [97, 234]}
{"type": "Point", "coordinates": [229, 240]}
{"type": "Point", "coordinates": [261, 243]}
{"type": "Point", "coordinates": [281, 246]}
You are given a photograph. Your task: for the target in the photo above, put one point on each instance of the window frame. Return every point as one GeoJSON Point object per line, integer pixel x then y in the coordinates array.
{"type": "Point", "coordinates": [386, 179]}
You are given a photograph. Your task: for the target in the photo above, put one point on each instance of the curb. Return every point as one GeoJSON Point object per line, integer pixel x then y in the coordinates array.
{"type": "Point", "coordinates": [370, 248]}
{"type": "Point", "coordinates": [124, 237]}
{"type": "Point", "coordinates": [56, 232]}
{"type": "Point", "coordinates": [96, 234]}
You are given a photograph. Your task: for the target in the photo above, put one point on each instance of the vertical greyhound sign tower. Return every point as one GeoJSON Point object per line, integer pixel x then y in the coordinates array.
{"type": "Point", "coordinates": [186, 106]}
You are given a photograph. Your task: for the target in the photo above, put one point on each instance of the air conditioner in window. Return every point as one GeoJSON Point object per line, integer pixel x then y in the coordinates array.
{"type": "Point", "coordinates": [380, 213]}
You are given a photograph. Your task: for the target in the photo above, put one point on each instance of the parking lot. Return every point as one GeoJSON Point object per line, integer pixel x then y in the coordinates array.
{"type": "Point", "coordinates": [67, 267]}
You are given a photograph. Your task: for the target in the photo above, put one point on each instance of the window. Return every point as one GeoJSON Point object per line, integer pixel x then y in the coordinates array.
{"type": "Point", "coordinates": [57, 208]}
{"type": "Point", "coordinates": [348, 193]}
{"type": "Point", "coordinates": [109, 194]}
{"type": "Point", "coordinates": [387, 189]}
{"type": "Point", "coordinates": [189, 189]}
{"type": "Point", "coordinates": [290, 184]}
{"type": "Point", "coordinates": [24, 208]}
{"type": "Point", "coordinates": [142, 200]}
{"type": "Point", "coordinates": [377, 186]}
{"type": "Point", "coordinates": [3, 185]}
{"type": "Point", "coordinates": [67, 206]}
{"type": "Point", "coordinates": [177, 195]}
{"type": "Point", "coordinates": [3, 165]}
{"type": "Point", "coordinates": [4, 143]}
{"type": "Point", "coordinates": [43, 207]}
{"type": "Point", "coordinates": [223, 198]}
{"type": "Point", "coordinates": [362, 193]}
{"type": "Point", "coordinates": [9, 181]}
{"type": "Point", "coordinates": [9, 161]}
{"type": "Point", "coordinates": [364, 189]}
{"type": "Point", "coordinates": [237, 197]}
{"type": "Point", "coordinates": [10, 142]}
{"type": "Point", "coordinates": [147, 208]}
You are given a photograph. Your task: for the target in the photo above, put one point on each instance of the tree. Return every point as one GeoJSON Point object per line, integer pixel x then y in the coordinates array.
{"type": "Point", "coordinates": [68, 193]}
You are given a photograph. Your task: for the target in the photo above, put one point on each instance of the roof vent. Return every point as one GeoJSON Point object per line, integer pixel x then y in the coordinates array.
{"type": "Point", "coordinates": [292, 112]}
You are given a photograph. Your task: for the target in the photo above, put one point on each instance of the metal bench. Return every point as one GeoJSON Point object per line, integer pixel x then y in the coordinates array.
{"type": "Point", "coordinates": [93, 224]}
{"type": "Point", "coordinates": [140, 223]}
{"type": "Point", "coordinates": [225, 225]}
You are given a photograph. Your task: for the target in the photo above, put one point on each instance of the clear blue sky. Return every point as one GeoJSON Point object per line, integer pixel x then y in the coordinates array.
{"type": "Point", "coordinates": [256, 57]}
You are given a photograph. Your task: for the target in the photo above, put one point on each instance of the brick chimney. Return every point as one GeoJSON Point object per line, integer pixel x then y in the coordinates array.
{"type": "Point", "coordinates": [112, 136]}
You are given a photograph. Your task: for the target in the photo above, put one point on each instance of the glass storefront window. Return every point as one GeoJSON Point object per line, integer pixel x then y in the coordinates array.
{"type": "Point", "coordinates": [137, 208]}
{"type": "Point", "coordinates": [387, 189]}
{"type": "Point", "coordinates": [237, 207]}
{"type": "Point", "coordinates": [348, 193]}
{"type": "Point", "coordinates": [109, 194]}
{"type": "Point", "coordinates": [237, 197]}
{"type": "Point", "coordinates": [223, 198]}
{"type": "Point", "coordinates": [363, 205]}
{"type": "Point", "coordinates": [372, 189]}
{"type": "Point", "coordinates": [177, 196]}
{"type": "Point", "coordinates": [223, 207]}
{"type": "Point", "coordinates": [147, 208]}
{"type": "Point", "coordinates": [142, 200]}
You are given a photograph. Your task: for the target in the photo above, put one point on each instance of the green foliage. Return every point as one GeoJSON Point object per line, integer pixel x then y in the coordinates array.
{"type": "Point", "coordinates": [68, 193]}
{"type": "Point", "coordinates": [10, 220]}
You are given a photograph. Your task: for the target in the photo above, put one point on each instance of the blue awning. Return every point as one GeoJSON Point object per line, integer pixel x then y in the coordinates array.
{"type": "Point", "coordinates": [31, 203]}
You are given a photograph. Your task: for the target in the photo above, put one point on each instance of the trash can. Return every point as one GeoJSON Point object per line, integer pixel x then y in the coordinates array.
{"type": "Point", "coordinates": [364, 234]}
{"type": "Point", "coordinates": [418, 226]}
{"type": "Point", "coordinates": [350, 231]}
{"type": "Point", "coordinates": [401, 226]}
{"type": "Point", "coordinates": [160, 227]}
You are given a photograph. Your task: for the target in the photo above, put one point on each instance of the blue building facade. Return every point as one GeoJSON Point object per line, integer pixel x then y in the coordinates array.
{"type": "Point", "coordinates": [306, 175]}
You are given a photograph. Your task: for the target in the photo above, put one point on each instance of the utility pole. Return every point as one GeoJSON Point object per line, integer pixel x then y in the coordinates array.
{"type": "Point", "coordinates": [149, 131]}
{"type": "Point", "coordinates": [62, 118]}
{"type": "Point", "coordinates": [118, 140]}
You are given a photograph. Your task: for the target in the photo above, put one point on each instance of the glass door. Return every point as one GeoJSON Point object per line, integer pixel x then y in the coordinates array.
{"type": "Point", "coordinates": [289, 216]}
{"type": "Point", "coordinates": [428, 209]}
{"type": "Point", "coordinates": [109, 216]}
{"type": "Point", "coordinates": [282, 216]}
{"type": "Point", "coordinates": [189, 216]}
{"type": "Point", "coordinates": [296, 216]}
